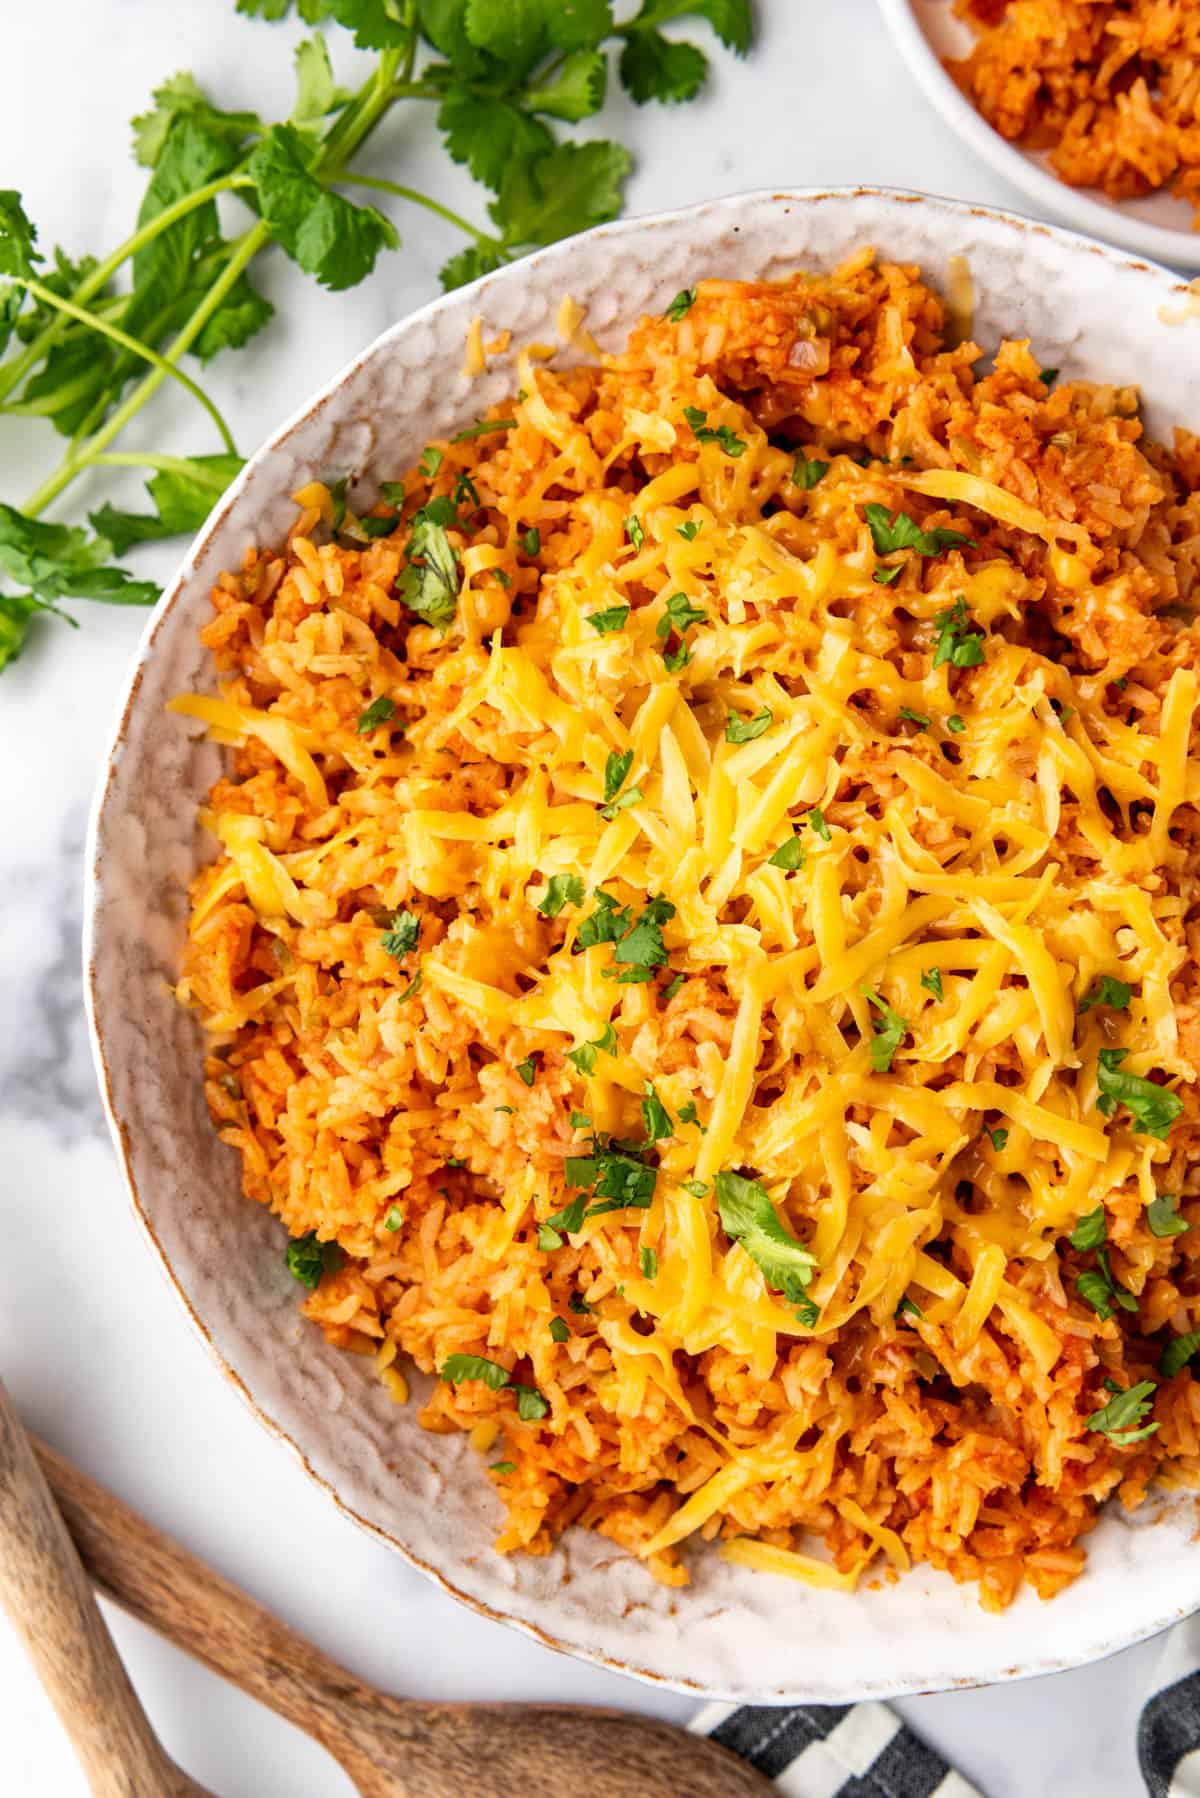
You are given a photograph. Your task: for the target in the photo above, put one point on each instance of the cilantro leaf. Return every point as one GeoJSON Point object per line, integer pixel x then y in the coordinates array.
{"type": "Point", "coordinates": [908, 1307]}
{"type": "Point", "coordinates": [789, 855]}
{"type": "Point", "coordinates": [488, 134]}
{"type": "Point", "coordinates": [635, 530]}
{"type": "Point", "coordinates": [690, 530]}
{"type": "Point", "coordinates": [745, 730]}
{"type": "Point", "coordinates": [1163, 1217]}
{"type": "Point", "coordinates": [377, 713]}
{"type": "Point", "coordinates": [818, 822]}
{"type": "Point", "coordinates": [648, 1262]}
{"type": "Point", "coordinates": [620, 1181]}
{"type": "Point", "coordinates": [576, 91]}
{"type": "Point", "coordinates": [643, 945]}
{"type": "Point", "coordinates": [560, 1329]}
{"type": "Point", "coordinates": [309, 1260]}
{"type": "Point", "coordinates": [317, 95]}
{"type": "Point", "coordinates": [955, 723]}
{"type": "Point", "coordinates": [469, 265]}
{"type": "Point", "coordinates": [613, 618]}
{"type": "Point", "coordinates": [748, 1216]}
{"type": "Point", "coordinates": [1178, 1353]}
{"type": "Point", "coordinates": [998, 1138]}
{"type": "Point", "coordinates": [1091, 1230]}
{"type": "Point", "coordinates": [1107, 991]}
{"type": "Point", "coordinates": [681, 305]}
{"type": "Point", "coordinates": [680, 615]}
{"type": "Point", "coordinates": [326, 235]}
{"type": "Point", "coordinates": [531, 1405]}
{"type": "Point", "coordinates": [955, 644]}
{"type": "Point", "coordinates": [402, 935]}
{"type": "Point", "coordinates": [1152, 1108]}
{"type": "Point", "coordinates": [527, 1070]}
{"type": "Point", "coordinates": [394, 1220]}
{"type": "Point", "coordinates": [654, 67]}
{"type": "Point", "coordinates": [429, 585]}
{"type": "Point", "coordinates": [180, 97]}
{"type": "Point", "coordinates": [57, 561]}
{"type": "Point", "coordinates": [1093, 1288]}
{"type": "Point", "coordinates": [18, 236]}
{"type": "Point", "coordinates": [547, 197]}
{"type": "Point", "coordinates": [483, 427]}
{"type": "Point", "coordinates": [616, 767]}
{"type": "Point", "coordinates": [806, 474]}
{"type": "Point", "coordinates": [456, 1368]}
{"type": "Point", "coordinates": [890, 1031]}
{"type": "Point", "coordinates": [608, 922]}
{"type": "Point", "coordinates": [730, 442]}
{"type": "Point", "coordinates": [1118, 1418]}
{"type": "Point", "coordinates": [917, 718]}
{"type": "Point", "coordinates": [561, 889]}
{"type": "Point", "coordinates": [931, 980]}
{"type": "Point", "coordinates": [183, 497]}
{"type": "Point", "coordinates": [513, 31]}
{"type": "Point", "coordinates": [890, 533]}
{"type": "Point", "coordinates": [656, 1119]}
{"type": "Point", "coordinates": [732, 20]}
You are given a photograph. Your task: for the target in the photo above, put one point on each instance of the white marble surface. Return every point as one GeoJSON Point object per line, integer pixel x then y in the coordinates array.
{"type": "Point", "coordinates": [92, 1345]}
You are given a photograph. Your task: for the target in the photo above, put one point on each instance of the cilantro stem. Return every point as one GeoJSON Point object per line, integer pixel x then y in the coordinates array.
{"type": "Point", "coordinates": [13, 372]}
{"type": "Point", "coordinates": [102, 327]}
{"type": "Point", "coordinates": [352, 178]}
{"type": "Point", "coordinates": [245, 250]}
{"type": "Point", "coordinates": [147, 459]}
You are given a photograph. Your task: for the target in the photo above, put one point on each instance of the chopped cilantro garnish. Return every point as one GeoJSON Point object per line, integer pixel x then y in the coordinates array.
{"type": "Point", "coordinates": [1091, 1230]}
{"type": "Point", "coordinates": [309, 1260]}
{"type": "Point", "coordinates": [431, 461]}
{"type": "Point", "coordinates": [456, 1161]}
{"type": "Point", "coordinates": [482, 428]}
{"type": "Point", "coordinates": [618, 1179]}
{"type": "Point", "coordinates": [465, 491]}
{"type": "Point", "coordinates": [806, 474]}
{"type": "Point", "coordinates": [1106, 991]}
{"type": "Point", "coordinates": [456, 1368]}
{"type": "Point", "coordinates": [806, 1312]}
{"type": "Point", "coordinates": [883, 577]}
{"type": "Point", "coordinates": [584, 1057]}
{"type": "Point", "coordinates": [504, 1467]}
{"type": "Point", "coordinates": [578, 1305]}
{"type": "Point", "coordinates": [580, 1120]}
{"type": "Point", "coordinates": [1153, 1108]}
{"type": "Point", "coordinates": [676, 659]}
{"type": "Point", "coordinates": [377, 713]}
{"type": "Point", "coordinates": [648, 1259]}
{"type": "Point", "coordinates": [1098, 1289]}
{"type": "Point", "coordinates": [548, 1239]}
{"type": "Point", "coordinates": [679, 615]}
{"type": "Point", "coordinates": [394, 1219]}
{"type": "Point", "coordinates": [1163, 1217]}
{"type": "Point", "coordinates": [656, 1119]}
{"type": "Point", "coordinates": [429, 584]}
{"type": "Point", "coordinates": [687, 1112]}
{"type": "Point", "coordinates": [745, 730]}
{"type": "Point", "coordinates": [955, 723]}
{"type": "Point", "coordinates": [1049, 376]}
{"type": "Point", "coordinates": [412, 989]}
{"type": "Point", "coordinates": [531, 1405]}
{"type": "Point", "coordinates": [401, 937]}
{"type": "Point", "coordinates": [1178, 1353]}
{"type": "Point", "coordinates": [527, 1069]}
{"type": "Point", "coordinates": [999, 1139]}
{"type": "Point", "coordinates": [931, 980]}
{"type": "Point", "coordinates": [643, 945]}
{"type": "Point", "coordinates": [890, 533]}
{"type": "Point", "coordinates": [732, 444]}
{"type": "Point", "coordinates": [689, 531]}
{"type": "Point", "coordinates": [790, 855]}
{"type": "Point", "coordinates": [672, 987]}
{"type": "Point", "coordinates": [890, 1031]}
{"type": "Point", "coordinates": [697, 1188]}
{"type": "Point", "coordinates": [1118, 1418]}
{"type": "Point", "coordinates": [531, 540]}
{"type": "Point", "coordinates": [561, 889]}
{"type": "Point", "coordinates": [917, 718]}
{"type": "Point", "coordinates": [681, 305]}
{"type": "Point", "coordinates": [748, 1216]}
{"type": "Point", "coordinates": [616, 768]}
{"type": "Point", "coordinates": [560, 1330]}
{"type": "Point", "coordinates": [613, 618]}
{"type": "Point", "coordinates": [957, 644]}
{"type": "Point", "coordinates": [908, 1306]}
{"type": "Point", "coordinates": [817, 820]}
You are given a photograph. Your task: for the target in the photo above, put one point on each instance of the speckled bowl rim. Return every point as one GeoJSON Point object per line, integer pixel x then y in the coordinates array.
{"type": "Point", "coordinates": [1073, 204]}
{"type": "Point", "coordinates": [176, 590]}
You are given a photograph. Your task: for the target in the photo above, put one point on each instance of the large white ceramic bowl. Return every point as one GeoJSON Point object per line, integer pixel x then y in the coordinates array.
{"type": "Point", "coordinates": [926, 32]}
{"type": "Point", "coordinates": [732, 1632]}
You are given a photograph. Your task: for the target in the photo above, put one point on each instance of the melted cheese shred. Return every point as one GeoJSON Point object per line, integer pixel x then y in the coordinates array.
{"type": "Point", "coordinates": [975, 846]}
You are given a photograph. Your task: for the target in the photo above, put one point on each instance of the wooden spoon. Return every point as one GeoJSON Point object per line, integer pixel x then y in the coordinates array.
{"type": "Point", "coordinates": [390, 1747]}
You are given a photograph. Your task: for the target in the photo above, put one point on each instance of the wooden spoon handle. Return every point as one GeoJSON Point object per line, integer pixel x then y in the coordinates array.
{"type": "Point", "coordinates": [49, 1601]}
{"type": "Point", "coordinates": [152, 1577]}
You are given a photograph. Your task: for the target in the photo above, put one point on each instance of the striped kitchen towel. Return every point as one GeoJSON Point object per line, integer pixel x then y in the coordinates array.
{"type": "Point", "coordinates": [833, 1750]}
{"type": "Point", "coordinates": [865, 1751]}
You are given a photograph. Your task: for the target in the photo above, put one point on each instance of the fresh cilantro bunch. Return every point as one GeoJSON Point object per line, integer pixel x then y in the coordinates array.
{"type": "Point", "coordinates": [85, 343]}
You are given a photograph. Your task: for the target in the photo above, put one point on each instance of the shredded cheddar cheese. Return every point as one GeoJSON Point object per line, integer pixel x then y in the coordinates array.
{"type": "Point", "coordinates": [695, 928]}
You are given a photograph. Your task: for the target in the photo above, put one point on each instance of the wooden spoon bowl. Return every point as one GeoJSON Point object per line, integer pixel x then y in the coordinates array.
{"type": "Point", "coordinates": [390, 1747]}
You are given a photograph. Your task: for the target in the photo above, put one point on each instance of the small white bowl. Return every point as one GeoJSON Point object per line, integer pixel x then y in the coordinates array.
{"type": "Point", "coordinates": [732, 1632]}
{"type": "Point", "coordinates": [1159, 226]}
